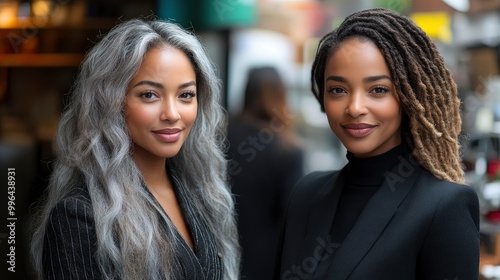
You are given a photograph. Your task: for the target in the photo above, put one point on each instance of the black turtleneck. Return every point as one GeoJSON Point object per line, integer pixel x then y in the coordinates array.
{"type": "Point", "coordinates": [364, 177]}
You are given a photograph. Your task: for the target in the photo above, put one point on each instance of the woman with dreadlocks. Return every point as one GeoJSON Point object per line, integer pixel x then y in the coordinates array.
{"type": "Point", "coordinates": [398, 209]}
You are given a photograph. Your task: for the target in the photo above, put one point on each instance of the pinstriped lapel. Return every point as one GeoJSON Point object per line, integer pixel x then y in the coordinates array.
{"type": "Point", "coordinates": [373, 220]}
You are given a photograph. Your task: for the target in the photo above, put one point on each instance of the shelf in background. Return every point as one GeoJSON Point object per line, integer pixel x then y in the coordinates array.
{"type": "Point", "coordinates": [41, 60]}
{"type": "Point", "coordinates": [89, 23]}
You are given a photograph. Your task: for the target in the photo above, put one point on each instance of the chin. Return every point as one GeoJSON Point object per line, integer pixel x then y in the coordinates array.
{"type": "Point", "coordinates": [167, 154]}
{"type": "Point", "coordinates": [170, 155]}
{"type": "Point", "coordinates": [360, 151]}
{"type": "Point", "coordinates": [361, 154]}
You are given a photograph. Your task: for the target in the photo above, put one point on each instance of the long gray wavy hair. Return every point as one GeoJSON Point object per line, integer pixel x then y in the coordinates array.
{"type": "Point", "coordinates": [93, 146]}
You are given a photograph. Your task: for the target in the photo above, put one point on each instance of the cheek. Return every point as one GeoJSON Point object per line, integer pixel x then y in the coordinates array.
{"type": "Point", "coordinates": [333, 111]}
{"type": "Point", "coordinates": [334, 117]}
{"type": "Point", "coordinates": [189, 114]}
{"type": "Point", "coordinates": [393, 111]}
{"type": "Point", "coordinates": [137, 116]}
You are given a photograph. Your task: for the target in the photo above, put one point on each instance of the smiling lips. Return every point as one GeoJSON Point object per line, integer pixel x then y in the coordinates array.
{"type": "Point", "coordinates": [358, 129]}
{"type": "Point", "coordinates": [168, 134]}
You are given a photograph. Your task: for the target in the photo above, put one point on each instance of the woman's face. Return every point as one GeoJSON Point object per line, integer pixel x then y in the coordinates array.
{"type": "Point", "coordinates": [360, 99]}
{"type": "Point", "coordinates": [161, 104]}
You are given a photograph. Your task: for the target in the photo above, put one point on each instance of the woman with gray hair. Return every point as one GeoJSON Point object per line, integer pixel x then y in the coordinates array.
{"type": "Point", "coordinates": [138, 189]}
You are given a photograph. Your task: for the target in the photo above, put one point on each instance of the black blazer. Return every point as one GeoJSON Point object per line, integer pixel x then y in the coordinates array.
{"type": "Point", "coordinates": [70, 242]}
{"type": "Point", "coordinates": [414, 227]}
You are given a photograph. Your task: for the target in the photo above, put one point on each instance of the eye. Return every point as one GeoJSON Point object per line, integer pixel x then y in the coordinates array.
{"type": "Point", "coordinates": [379, 90]}
{"type": "Point", "coordinates": [187, 95]}
{"type": "Point", "coordinates": [337, 91]}
{"type": "Point", "coordinates": [148, 95]}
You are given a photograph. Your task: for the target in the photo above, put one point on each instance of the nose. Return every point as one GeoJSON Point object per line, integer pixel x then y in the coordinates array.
{"type": "Point", "coordinates": [356, 106]}
{"type": "Point", "coordinates": [169, 112]}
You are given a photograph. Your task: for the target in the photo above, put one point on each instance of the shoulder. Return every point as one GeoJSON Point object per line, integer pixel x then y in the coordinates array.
{"type": "Point", "coordinates": [447, 201]}
{"type": "Point", "coordinates": [444, 190]}
{"type": "Point", "coordinates": [76, 205]}
{"type": "Point", "coordinates": [71, 221]}
{"type": "Point", "coordinates": [70, 239]}
{"type": "Point", "coordinates": [315, 180]}
{"type": "Point", "coordinates": [452, 238]}
{"type": "Point", "coordinates": [311, 184]}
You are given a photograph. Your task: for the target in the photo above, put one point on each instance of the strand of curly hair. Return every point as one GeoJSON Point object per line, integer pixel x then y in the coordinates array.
{"type": "Point", "coordinates": [425, 88]}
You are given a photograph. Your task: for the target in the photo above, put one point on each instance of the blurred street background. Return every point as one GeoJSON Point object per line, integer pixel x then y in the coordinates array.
{"type": "Point", "coordinates": [42, 43]}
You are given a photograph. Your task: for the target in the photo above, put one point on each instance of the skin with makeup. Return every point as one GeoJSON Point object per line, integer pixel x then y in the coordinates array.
{"type": "Point", "coordinates": [160, 109]}
{"type": "Point", "coordinates": [398, 209]}
{"type": "Point", "coordinates": [361, 102]}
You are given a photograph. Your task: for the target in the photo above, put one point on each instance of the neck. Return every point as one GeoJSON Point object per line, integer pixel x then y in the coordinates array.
{"type": "Point", "coordinates": [153, 171]}
{"type": "Point", "coordinates": [372, 170]}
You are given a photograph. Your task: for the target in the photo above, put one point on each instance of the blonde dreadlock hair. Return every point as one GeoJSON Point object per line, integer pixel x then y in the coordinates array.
{"type": "Point", "coordinates": [428, 95]}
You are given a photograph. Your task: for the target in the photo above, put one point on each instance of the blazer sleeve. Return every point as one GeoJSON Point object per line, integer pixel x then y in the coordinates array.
{"type": "Point", "coordinates": [451, 247]}
{"type": "Point", "coordinates": [70, 241]}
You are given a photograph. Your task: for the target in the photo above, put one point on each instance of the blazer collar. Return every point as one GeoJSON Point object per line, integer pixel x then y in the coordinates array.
{"type": "Point", "coordinates": [371, 223]}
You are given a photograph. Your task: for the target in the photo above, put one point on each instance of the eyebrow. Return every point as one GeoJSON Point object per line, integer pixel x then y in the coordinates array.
{"type": "Point", "coordinates": [366, 80]}
{"type": "Point", "coordinates": [160, 86]}
{"type": "Point", "coordinates": [376, 78]}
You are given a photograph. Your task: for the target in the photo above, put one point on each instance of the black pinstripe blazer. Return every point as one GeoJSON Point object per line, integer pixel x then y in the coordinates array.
{"type": "Point", "coordinates": [414, 227]}
{"type": "Point", "coordinates": [70, 242]}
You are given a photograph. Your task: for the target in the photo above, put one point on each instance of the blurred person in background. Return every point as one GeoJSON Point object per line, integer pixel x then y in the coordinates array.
{"type": "Point", "coordinates": [139, 187]}
{"type": "Point", "coordinates": [399, 208]}
{"type": "Point", "coordinates": [265, 162]}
